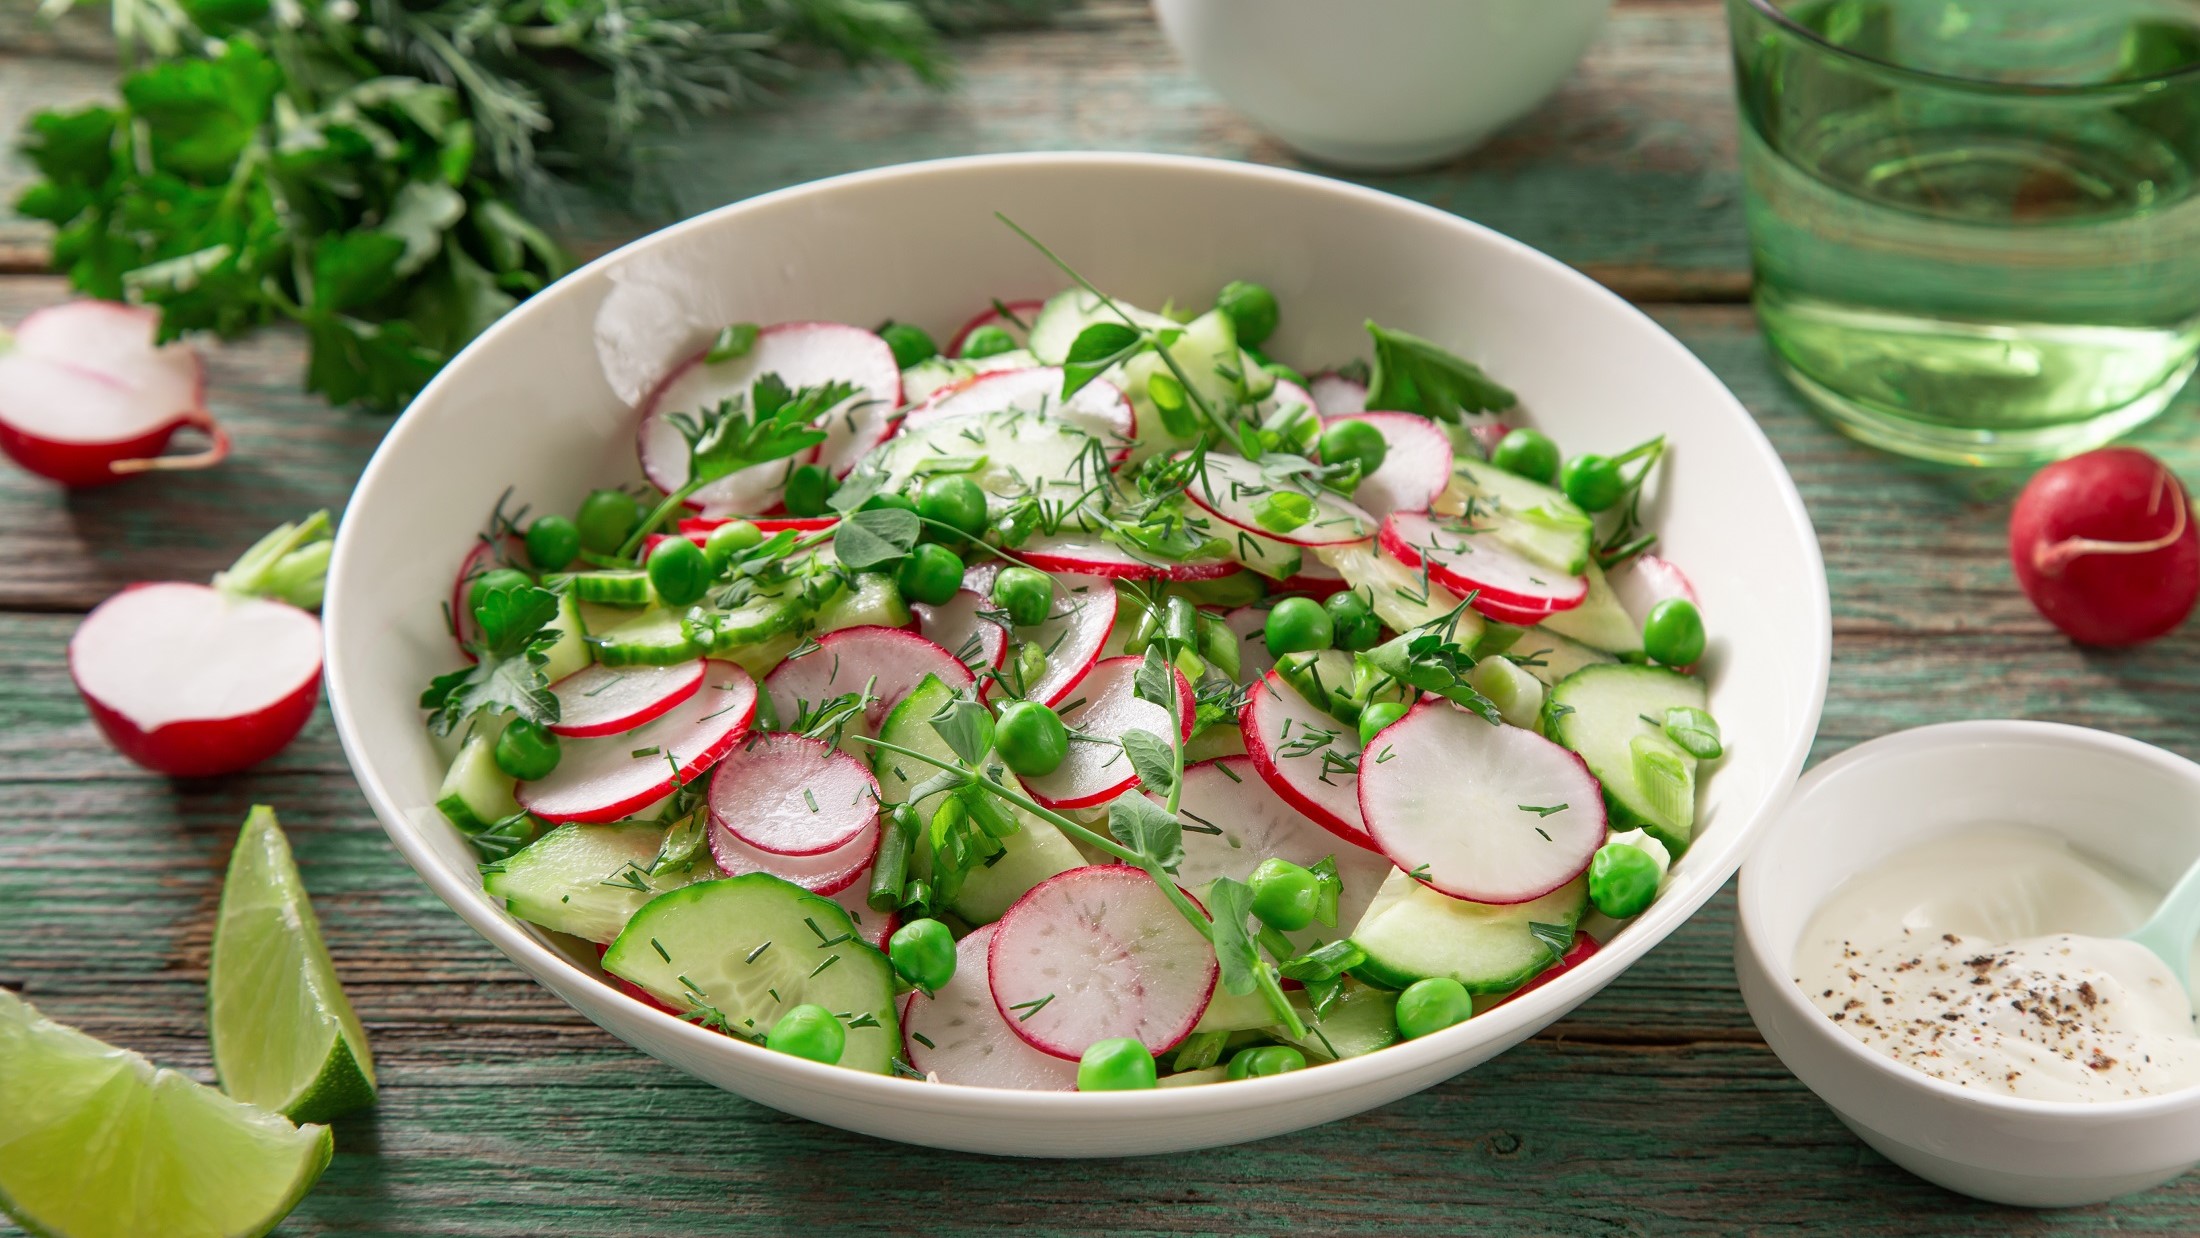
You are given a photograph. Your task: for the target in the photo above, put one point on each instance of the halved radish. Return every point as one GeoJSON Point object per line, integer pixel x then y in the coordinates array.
{"type": "Point", "coordinates": [1336, 395]}
{"type": "Point", "coordinates": [1073, 634]}
{"type": "Point", "coordinates": [1232, 488]}
{"type": "Point", "coordinates": [1087, 553]}
{"type": "Point", "coordinates": [957, 1035]}
{"type": "Point", "coordinates": [890, 661]}
{"type": "Point", "coordinates": [1646, 580]}
{"type": "Point", "coordinates": [1096, 953]}
{"type": "Point", "coordinates": [1099, 408]}
{"type": "Point", "coordinates": [789, 795]}
{"type": "Point", "coordinates": [1506, 585]}
{"type": "Point", "coordinates": [1251, 625]}
{"type": "Point", "coordinates": [1096, 769]}
{"type": "Point", "coordinates": [190, 681]}
{"type": "Point", "coordinates": [829, 873]}
{"type": "Point", "coordinates": [603, 700]}
{"type": "Point", "coordinates": [605, 779]}
{"type": "Point", "coordinates": [1233, 820]}
{"type": "Point", "coordinates": [86, 397]}
{"type": "Point", "coordinates": [1310, 758]}
{"type": "Point", "coordinates": [1415, 469]}
{"type": "Point", "coordinates": [1479, 810]}
{"type": "Point", "coordinates": [1017, 322]}
{"type": "Point", "coordinates": [957, 626]}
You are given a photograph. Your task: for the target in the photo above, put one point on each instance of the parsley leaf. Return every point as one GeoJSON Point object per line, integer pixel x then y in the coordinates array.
{"type": "Point", "coordinates": [514, 645]}
{"type": "Point", "coordinates": [1412, 375]}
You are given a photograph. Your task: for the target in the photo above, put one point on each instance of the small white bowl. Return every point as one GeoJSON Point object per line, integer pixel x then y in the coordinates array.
{"type": "Point", "coordinates": [2127, 804]}
{"type": "Point", "coordinates": [1381, 85]}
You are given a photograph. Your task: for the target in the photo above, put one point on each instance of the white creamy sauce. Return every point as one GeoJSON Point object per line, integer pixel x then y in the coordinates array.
{"type": "Point", "coordinates": [1988, 958]}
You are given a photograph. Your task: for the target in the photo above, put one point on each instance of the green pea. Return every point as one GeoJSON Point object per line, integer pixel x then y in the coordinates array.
{"type": "Point", "coordinates": [1027, 594]}
{"type": "Point", "coordinates": [1285, 896]}
{"type": "Point", "coordinates": [809, 1031]}
{"type": "Point", "coordinates": [931, 574]}
{"type": "Point", "coordinates": [955, 502]}
{"type": "Point", "coordinates": [990, 340]}
{"type": "Point", "coordinates": [1592, 482]}
{"type": "Point", "coordinates": [1251, 309]}
{"type": "Point", "coordinates": [728, 540]}
{"type": "Point", "coordinates": [1297, 625]}
{"type": "Point", "coordinates": [809, 491]}
{"type": "Point", "coordinates": [526, 750]}
{"type": "Point", "coordinates": [552, 543]}
{"type": "Point", "coordinates": [1377, 716]}
{"type": "Point", "coordinates": [1031, 738]}
{"type": "Point", "coordinates": [910, 343]}
{"type": "Point", "coordinates": [923, 951]}
{"type": "Point", "coordinates": [1352, 621]}
{"type": "Point", "coordinates": [491, 580]}
{"type": "Point", "coordinates": [1623, 880]}
{"type": "Point", "coordinates": [1672, 632]}
{"type": "Point", "coordinates": [1265, 1060]}
{"type": "Point", "coordinates": [1355, 440]}
{"type": "Point", "coordinates": [1031, 664]}
{"type": "Point", "coordinates": [1118, 1065]}
{"type": "Point", "coordinates": [679, 571]}
{"type": "Point", "coordinates": [1432, 1005]}
{"type": "Point", "coordinates": [1527, 453]}
{"type": "Point", "coordinates": [606, 519]}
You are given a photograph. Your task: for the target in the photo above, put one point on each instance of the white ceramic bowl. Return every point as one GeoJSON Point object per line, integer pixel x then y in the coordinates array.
{"type": "Point", "coordinates": [543, 401]}
{"type": "Point", "coordinates": [2129, 804]}
{"type": "Point", "coordinates": [1380, 85]}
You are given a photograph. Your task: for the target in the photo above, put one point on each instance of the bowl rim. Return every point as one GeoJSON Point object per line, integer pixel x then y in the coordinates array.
{"type": "Point", "coordinates": [1752, 930]}
{"type": "Point", "coordinates": [1506, 1024]}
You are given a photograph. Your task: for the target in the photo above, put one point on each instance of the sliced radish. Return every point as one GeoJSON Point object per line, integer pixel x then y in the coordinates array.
{"type": "Point", "coordinates": [1070, 551]}
{"type": "Point", "coordinates": [830, 873]}
{"type": "Point", "coordinates": [873, 927]}
{"type": "Point", "coordinates": [605, 779]}
{"type": "Point", "coordinates": [1416, 467]}
{"type": "Point", "coordinates": [1315, 579]}
{"type": "Point", "coordinates": [1096, 769]}
{"type": "Point", "coordinates": [802, 354]}
{"type": "Point", "coordinates": [86, 397]}
{"type": "Point", "coordinates": [1646, 580]}
{"type": "Point", "coordinates": [1096, 953]}
{"type": "Point", "coordinates": [1505, 585]}
{"type": "Point", "coordinates": [1336, 395]}
{"type": "Point", "coordinates": [1231, 488]}
{"type": "Point", "coordinates": [1488, 434]}
{"type": "Point", "coordinates": [1478, 810]}
{"type": "Point", "coordinates": [889, 661]}
{"type": "Point", "coordinates": [1017, 322]}
{"type": "Point", "coordinates": [1233, 820]}
{"type": "Point", "coordinates": [192, 682]}
{"type": "Point", "coordinates": [603, 700]}
{"type": "Point", "coordinates": [1251, 625]}
{"type": "Point", "coordinates": [693, 525]}
{"type": "Point", "coordinates": [1099, 408]}
{"type": "Point", "coordinates": [1583, 949]}
{"type": "Point", "coordinates": [957, 1035]}
{"type": "Point", "coordinates": [483, 557]}
{"type": "Point", "coordinates": [628, 987]}
{"type": "Point", "coordinates": [1072, 635]}
{"type": "Point", "coordinates": [958, 625]}
{"type": "Point", "coordinates": [1310, 758]}
{"type": "Point", "coordinates": [789, 795]}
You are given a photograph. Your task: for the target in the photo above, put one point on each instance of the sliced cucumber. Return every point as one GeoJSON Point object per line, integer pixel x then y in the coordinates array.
{"type": "Point", "coordinates": [1551, 657]}
{"type": "Point", "coordinates": [1066, 315]}
{"type": "Point", "coordinates": [1010, 454]}
{"type": "Point", "coordinates": [1193, 1078]}
{"type": "Point", "coordinates": [1603, 712]}
{"type": "Point", "coordinates": [874, 600]}
{"type": "Point", "coordinates": [587, 880]}
{"type": "Point", "coordinates": [1600, 622]}
{"type": "Point", "coordinates": [1517, 694]}
{"type": "Point", "coordinates": [757, 620]}
{"type": "Point", "coordinates": [652, 638]}
{"type": "Point", "coordinates": [921, 381]}
{"type": "Point", "coordinates": [759, 659]}
{"type": "Point", "coordinates": [1361, 1020]}
{"type": "Point", "coordinates": [1400, 596]}
{"type": "Point", "coordinates": [571, 653]}
{"type": "Point", "coordinates": [1411, 932]}
{"type": "Point", "coordinates": [1532, 518]}
{"type": "Point", "coordinates": [1271, 558]}
{"type": "Point", "coordinates": [745, 950]}
{"type": "Point", "coordinates": [1208, 354]}
{"type": "Point", "coordinates": [610, 588]}
{"type": "Point", "coordinates": [1234, 1012]}
{"type": "Point", "coordinates": [1259, 381]}
{"type": "Point", "coordinates": [475, 793]}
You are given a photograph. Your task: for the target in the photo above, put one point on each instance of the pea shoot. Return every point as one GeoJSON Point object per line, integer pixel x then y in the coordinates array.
{"type": "Point", "coordinates": [809, 491]}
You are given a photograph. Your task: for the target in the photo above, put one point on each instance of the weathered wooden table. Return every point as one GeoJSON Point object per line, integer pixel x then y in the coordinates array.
{"type": "Point", "coordinates": [1654, 1109]}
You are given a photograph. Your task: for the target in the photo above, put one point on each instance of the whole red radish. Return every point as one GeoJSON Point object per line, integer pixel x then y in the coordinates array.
{"type": "Point", "coordinates": [2105, 546]}
{"type": "Point", "coordinates": [87, 397]}
{"type": "Point", "coordinates": [197, 680]}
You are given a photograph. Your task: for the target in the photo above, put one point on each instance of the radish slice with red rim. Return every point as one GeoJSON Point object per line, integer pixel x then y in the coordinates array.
{"type": "Point", "coordinates": [788, 795]}
{"type": "Point", "coordinates": [1251, 625]}
{"type": "Point", "coordinates": [1583, 949]}
{"type": "Point", "coordinates": [86, 397]}
{"type": "Point", "coordinates": [958, 625]}
{"type": "Point", "coordinates": [891, 662]}
{"type": "Point", "coordinates": [1415, 469]}
{"type": "Point", "coordinates": [1311, 759]}
{"type": "Point", "coordinates": [1315, 579]}
{"type": "Point", "coordinates": [1096, 953]}
{"type": "Point", "coordinates": [1088, 554]}
{"type": "Point", "coordinates": [1234, 490]}
{"type": "Point", "coordinates": [767, 525]}
{"type": "Point", "coordinates": [1506, 585]}
{"type": "Point", "coordinates": [605, 779]}
{"type": "Point", "coordinates": [1096, 768]}
{"type": "Point", "coordinates": [826, 874]}
{"type": "Point", "coordinates": [1017, 322]}
{"type": "Point", "coordinates": [1072, 634]}
{"type": "Point", "coordinates": [1099, 408]}
{"type": "Point", "coordinates": [1478, 810]}
{"type": "Point", "coordinates": [485, 556]}
{"type": "Point", "coordinates": [603, 700]}
{"type": "Point", "coordinates": [1646, 580]}
{"type": "Point", "coordinates": [1233, 820]}
{"type": "Point", "coordinates": [1335, 395]}
{"type": "Point", "coordinates": [957, 1035]}
{"type": "Point", "coordinates": [872, 927]}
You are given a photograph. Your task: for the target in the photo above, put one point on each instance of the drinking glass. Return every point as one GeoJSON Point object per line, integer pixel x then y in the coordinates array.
{"type": "Point", "coordinates": [1974, 224]}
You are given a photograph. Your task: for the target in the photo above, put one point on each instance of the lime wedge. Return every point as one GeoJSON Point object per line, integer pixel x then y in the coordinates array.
{"type": "Point", "coordinates": [97, 1142]}
{"type": "Point", "coordinates": [284, 1036]}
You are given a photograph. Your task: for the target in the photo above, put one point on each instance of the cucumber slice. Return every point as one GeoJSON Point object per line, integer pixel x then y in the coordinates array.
{"type": "Point", "coordinates": [1022, 455]}
{"type": "Point", "coordinates": [1234, 1012]}
{"type": "Point", "coordinates": [1361, 1020]}
{"type": "Point", "coordinates": [1551, 657]}
{"type": "Point", "coordinates": [571, 653]}
{"type": "Point", "coordinates": [1208, 354]}
{"type": "Point", "coordinates": [587, 880]}
{"type": "Point", "coordinates": [759, 659]}
{"type": "Point", "coordinates": [1066, 315]}
{"type": "Point", "coordinates": [475, 793]}
{"type": "Point", "coordinates": [874, 601]}
{"type": "Point", "coordinates": [1266, 555]}
{"type": "Point", "coordinates": [1600, 622]}
{"type": "Point", "coordinates": [1517, 694]}
{"type": "Point", "coordinates": [610, 588]}
{"type": "Point", "coordinates": [652, 638]}
{"type": "Point", "coordinates": [1259, 382]}
{"type": "Point", "coordinates": [1649, 782]}
{"type": "Point", "coordinates": [745, 950]}
{"type": "Point", "coordinates": [1530, 517]}
{"type": "Point", "coordinates": [1400, 596]}
{"type": "Point", "coordinates": [755, 621]}
{"type": "Point", "coordinates": [1411, 932]}
{"type": "Point", "coordinates": [928, 377]}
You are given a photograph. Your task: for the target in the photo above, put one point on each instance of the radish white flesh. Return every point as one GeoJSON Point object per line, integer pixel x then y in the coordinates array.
{"type": "Point", "coordinates": [1251, 625]}
{"type": "Point", "coordinates": [1099, 408]}
{"type": "Point", "coordinates": [1310, 758]}
{"type": "Point", "coordinates": [1416, 467]}
{"type": "Point", "coordinates": [957, 1035]}
{"type": "Point", "coordinates": [1506, 585]}
{"type": "Point", "coordinates": [1488, 813]}
{"type": "Point", "coordinates": [874, 927]}
{"type": "Point", "coordinates": [1285, 395]}
{"type": "Point", "coordinates": [698, 528]}
{"type": "Point", "coordinates": [1072, 634]}
{"type": "Point", "coordinates": [788, 795]}
{"type": "Point", "coordinates": [605, 779]}
{"type": "Point", "coordinates": [956, 626]}
{"type": "Point", "coordinates": [888, 661]}
{"type": "Point", "coordinates": [1335, 395]}
{"type": "Point", "coordinates": [828, 874]}
{"type": "Point", "coordinates": [1229, 795]}
{"type": "Point", "coordinates": [1018, 326]}
{"type": "Point", "coordinates": [1096, 953]}
{"type": "Point", "coordinates": [1646, 580]}
{"type": "Point", "coordinates": [190, 681]}
{"type": "Point", "coordinates": [1086, 553]}
{"type": "Point", "coordinates": [1096, 768]}
{"type": "Point", "coordinates": [87, 397]}
{"type": "Point", "coordinates": [1232, 488]}
{"type": "Point", "coordinates": [603, 700]}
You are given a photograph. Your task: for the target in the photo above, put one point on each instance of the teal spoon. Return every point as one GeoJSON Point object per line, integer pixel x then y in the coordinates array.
{"type": "Point", "coordinates": [2170, 931]}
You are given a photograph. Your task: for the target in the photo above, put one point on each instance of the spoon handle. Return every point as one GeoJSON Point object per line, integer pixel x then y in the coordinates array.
{"type": "Point", "coordinates": [2169, 933]}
